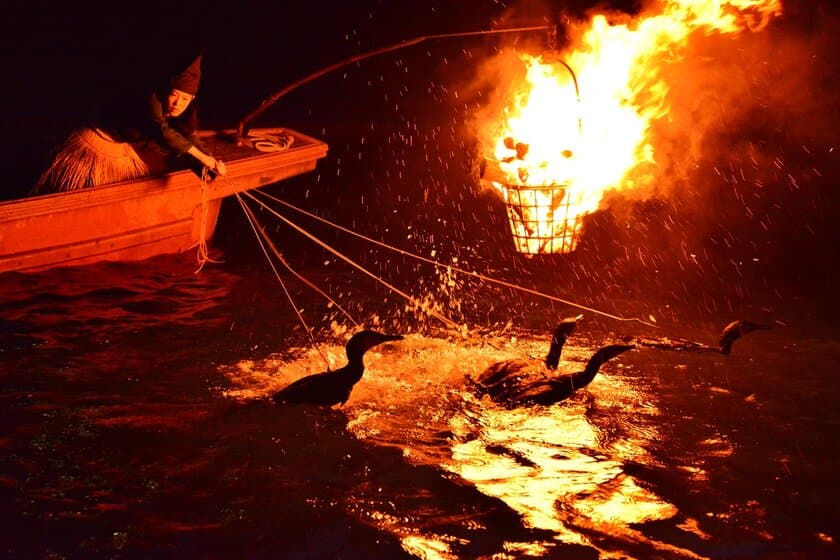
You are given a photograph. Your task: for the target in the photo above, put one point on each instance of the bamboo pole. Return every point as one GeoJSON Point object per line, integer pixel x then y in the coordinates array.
{"type": "Point", "coordinates": [242, 129]}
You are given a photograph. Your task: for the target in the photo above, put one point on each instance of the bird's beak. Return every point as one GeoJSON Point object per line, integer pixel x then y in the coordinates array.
{"type": "Point", "coordinates": [389, 337]}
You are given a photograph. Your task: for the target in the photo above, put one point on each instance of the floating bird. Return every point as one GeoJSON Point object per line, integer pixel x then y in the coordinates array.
{"type": "Point", "coordinates": [519, 382]}
{"type": "Point", "coordinates": [496, 378]}
{"type": "Point", "coordinates": [516, 389]}
{"type": "Point", "coordinates": [730, 333]}
{"type": "Point", "coordinates": [333, 387]}
{"type": "Point", "coordinates": [735, 330]}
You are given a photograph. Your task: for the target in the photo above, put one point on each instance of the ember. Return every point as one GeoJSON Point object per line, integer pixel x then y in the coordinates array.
{"type": "Point", "coordinates": [568, 130]}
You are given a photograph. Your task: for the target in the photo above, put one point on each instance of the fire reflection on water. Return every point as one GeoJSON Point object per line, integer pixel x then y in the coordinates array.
{"type": "Point", "coordinates": [560, 468]}
{"type": "Point", "coordinates": [538, 459]}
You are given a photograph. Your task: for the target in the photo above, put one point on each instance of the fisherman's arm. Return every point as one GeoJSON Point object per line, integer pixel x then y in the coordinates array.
{"type": "Point", "coordinates": [180, 144]}
{"type": "Point", "coordinates": [208, 161]}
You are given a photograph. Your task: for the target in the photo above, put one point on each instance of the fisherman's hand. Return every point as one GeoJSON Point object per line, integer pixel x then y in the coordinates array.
{"type": "Point", "coordinates": [219, 167]}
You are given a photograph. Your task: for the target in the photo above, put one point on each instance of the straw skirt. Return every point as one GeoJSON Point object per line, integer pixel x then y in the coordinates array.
{"type": "Point", "coordinates": [90, 157]}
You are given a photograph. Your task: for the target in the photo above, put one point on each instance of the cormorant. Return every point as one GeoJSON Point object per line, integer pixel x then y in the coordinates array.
{"type": "Point", "coordinates": [513, 388]}
{"type": "Point", "coordinates": [730, 333]}
{"type": "Point", "coordinates": [500, 375]}
{"type": "Point", "coordinates": [735, 330]}
{"type": "Point", "coordinates": [333, 387]}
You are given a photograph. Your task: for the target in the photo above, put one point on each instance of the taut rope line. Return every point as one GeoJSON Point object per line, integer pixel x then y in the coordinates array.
{"type": "Point", "coordinates": [439, 316]}
{"type": "Point", "coordinates": [297, 275]}
{"type": "Point", "coordinates": [456, 269]}
{"type": "Point", "coordinates": [252, 221]}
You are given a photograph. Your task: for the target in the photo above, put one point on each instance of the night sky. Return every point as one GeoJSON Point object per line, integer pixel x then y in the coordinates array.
{"type": "Point", "coordinates": [61, 59]}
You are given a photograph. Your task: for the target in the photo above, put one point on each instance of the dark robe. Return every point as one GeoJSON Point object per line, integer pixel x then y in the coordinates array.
{"type": "Point", "coordinates": [162, 142]}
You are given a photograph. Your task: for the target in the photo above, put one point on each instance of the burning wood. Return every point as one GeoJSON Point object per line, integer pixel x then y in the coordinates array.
{"type": "Point", "coordinates": [560, 138]}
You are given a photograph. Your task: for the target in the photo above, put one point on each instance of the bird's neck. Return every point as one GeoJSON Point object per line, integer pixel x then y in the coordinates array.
{"type": "Point", "coordinates": [585, 377]}
{"type": "Point", "coordinates": [581, 379]}
{"type": "Point", "coordinates": [354, 369]}
{"type": "Point", "coordinates": [553, 356]}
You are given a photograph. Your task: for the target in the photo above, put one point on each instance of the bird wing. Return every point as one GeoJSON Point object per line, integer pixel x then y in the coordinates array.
{"type": "Point", "coordinates": [500, 371]}
{"type": "Point", "coordinates": [535, 393]}
{"type": "Point", "coordinates": [304, 389]}
{"type": "Point", "coordinates": [503, 379]}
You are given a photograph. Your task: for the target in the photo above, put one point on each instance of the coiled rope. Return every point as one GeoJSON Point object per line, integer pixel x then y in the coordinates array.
{"type": "Point", "coordinates": [203, 253]}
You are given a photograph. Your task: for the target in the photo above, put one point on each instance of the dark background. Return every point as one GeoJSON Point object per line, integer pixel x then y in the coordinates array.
{"type": "Point", "coordinates": [742, 208]}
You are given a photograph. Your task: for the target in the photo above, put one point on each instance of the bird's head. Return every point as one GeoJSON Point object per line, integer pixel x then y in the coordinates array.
{"type": "Point", "coordinates": [364, 340]}
{"type": "Point", "coordinates": [735, 330]}
{"type": "Point", "coordinates": [568, 324]}
{"type": "Point", "coordinates": [565, 327]}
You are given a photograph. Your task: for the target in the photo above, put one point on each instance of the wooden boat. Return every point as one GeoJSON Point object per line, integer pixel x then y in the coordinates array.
{"type": "Point", "coordinates": [138, 219]}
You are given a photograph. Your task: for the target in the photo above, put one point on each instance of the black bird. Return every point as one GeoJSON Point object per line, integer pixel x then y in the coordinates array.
{"type": "Point", "coordinates": [515, 388]}
{"type": "Point", "coordinates": [730, 333]}
{"type": "Point", "coordinates": [333, 387]}
{"type": "Point", "coordinates": [735, 330]}
{"type": "Point", "coordinates": [561, 387]}
{"type": "Point", "coordinates": [500, 375]}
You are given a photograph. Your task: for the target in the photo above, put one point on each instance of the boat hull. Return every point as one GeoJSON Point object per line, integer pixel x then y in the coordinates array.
{"type": "Point", "coordinates": [142, 218]}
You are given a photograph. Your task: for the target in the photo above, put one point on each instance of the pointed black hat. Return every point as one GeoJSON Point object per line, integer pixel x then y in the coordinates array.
{"type": "Point", "coordinates": [189, 79]}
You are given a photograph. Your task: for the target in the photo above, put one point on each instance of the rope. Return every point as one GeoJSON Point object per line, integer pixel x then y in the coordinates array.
{"type": "Point", "coordinates": [477, 275]}
{"type": "Point", "coordinates": [203, 253]}
{"type": "Point", "coordinates": [252, 221]}
{"type": "Point", "coordinates": [270, 143]}
{"type": "Point", "coordinates": [439, 316]}
{"type": "Point", "coordinates": [300, 277]}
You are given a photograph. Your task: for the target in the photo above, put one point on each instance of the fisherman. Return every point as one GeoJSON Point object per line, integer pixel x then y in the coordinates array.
{"type": "Point", "coordinates": [133, 140]}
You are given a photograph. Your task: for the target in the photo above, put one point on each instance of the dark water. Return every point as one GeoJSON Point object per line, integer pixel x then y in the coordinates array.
{"type": "Point", "coordinates": [134, 426]}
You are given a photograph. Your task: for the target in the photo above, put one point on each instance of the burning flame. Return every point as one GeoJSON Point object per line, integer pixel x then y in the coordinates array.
{"type": "Point", "coordinates": [577, 127]}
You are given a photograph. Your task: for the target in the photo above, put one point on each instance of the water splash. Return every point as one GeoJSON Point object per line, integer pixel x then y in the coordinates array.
{"type": "Point", "coordinates": [560, 468]}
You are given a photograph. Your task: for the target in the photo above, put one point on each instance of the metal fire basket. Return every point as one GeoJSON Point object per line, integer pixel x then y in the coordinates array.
{"type": "Point", "coordinates": [544, 219]}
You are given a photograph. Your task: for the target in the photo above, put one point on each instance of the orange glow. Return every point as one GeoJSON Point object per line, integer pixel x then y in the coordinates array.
{"type": "Point", "coordinates": [575, 145]}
